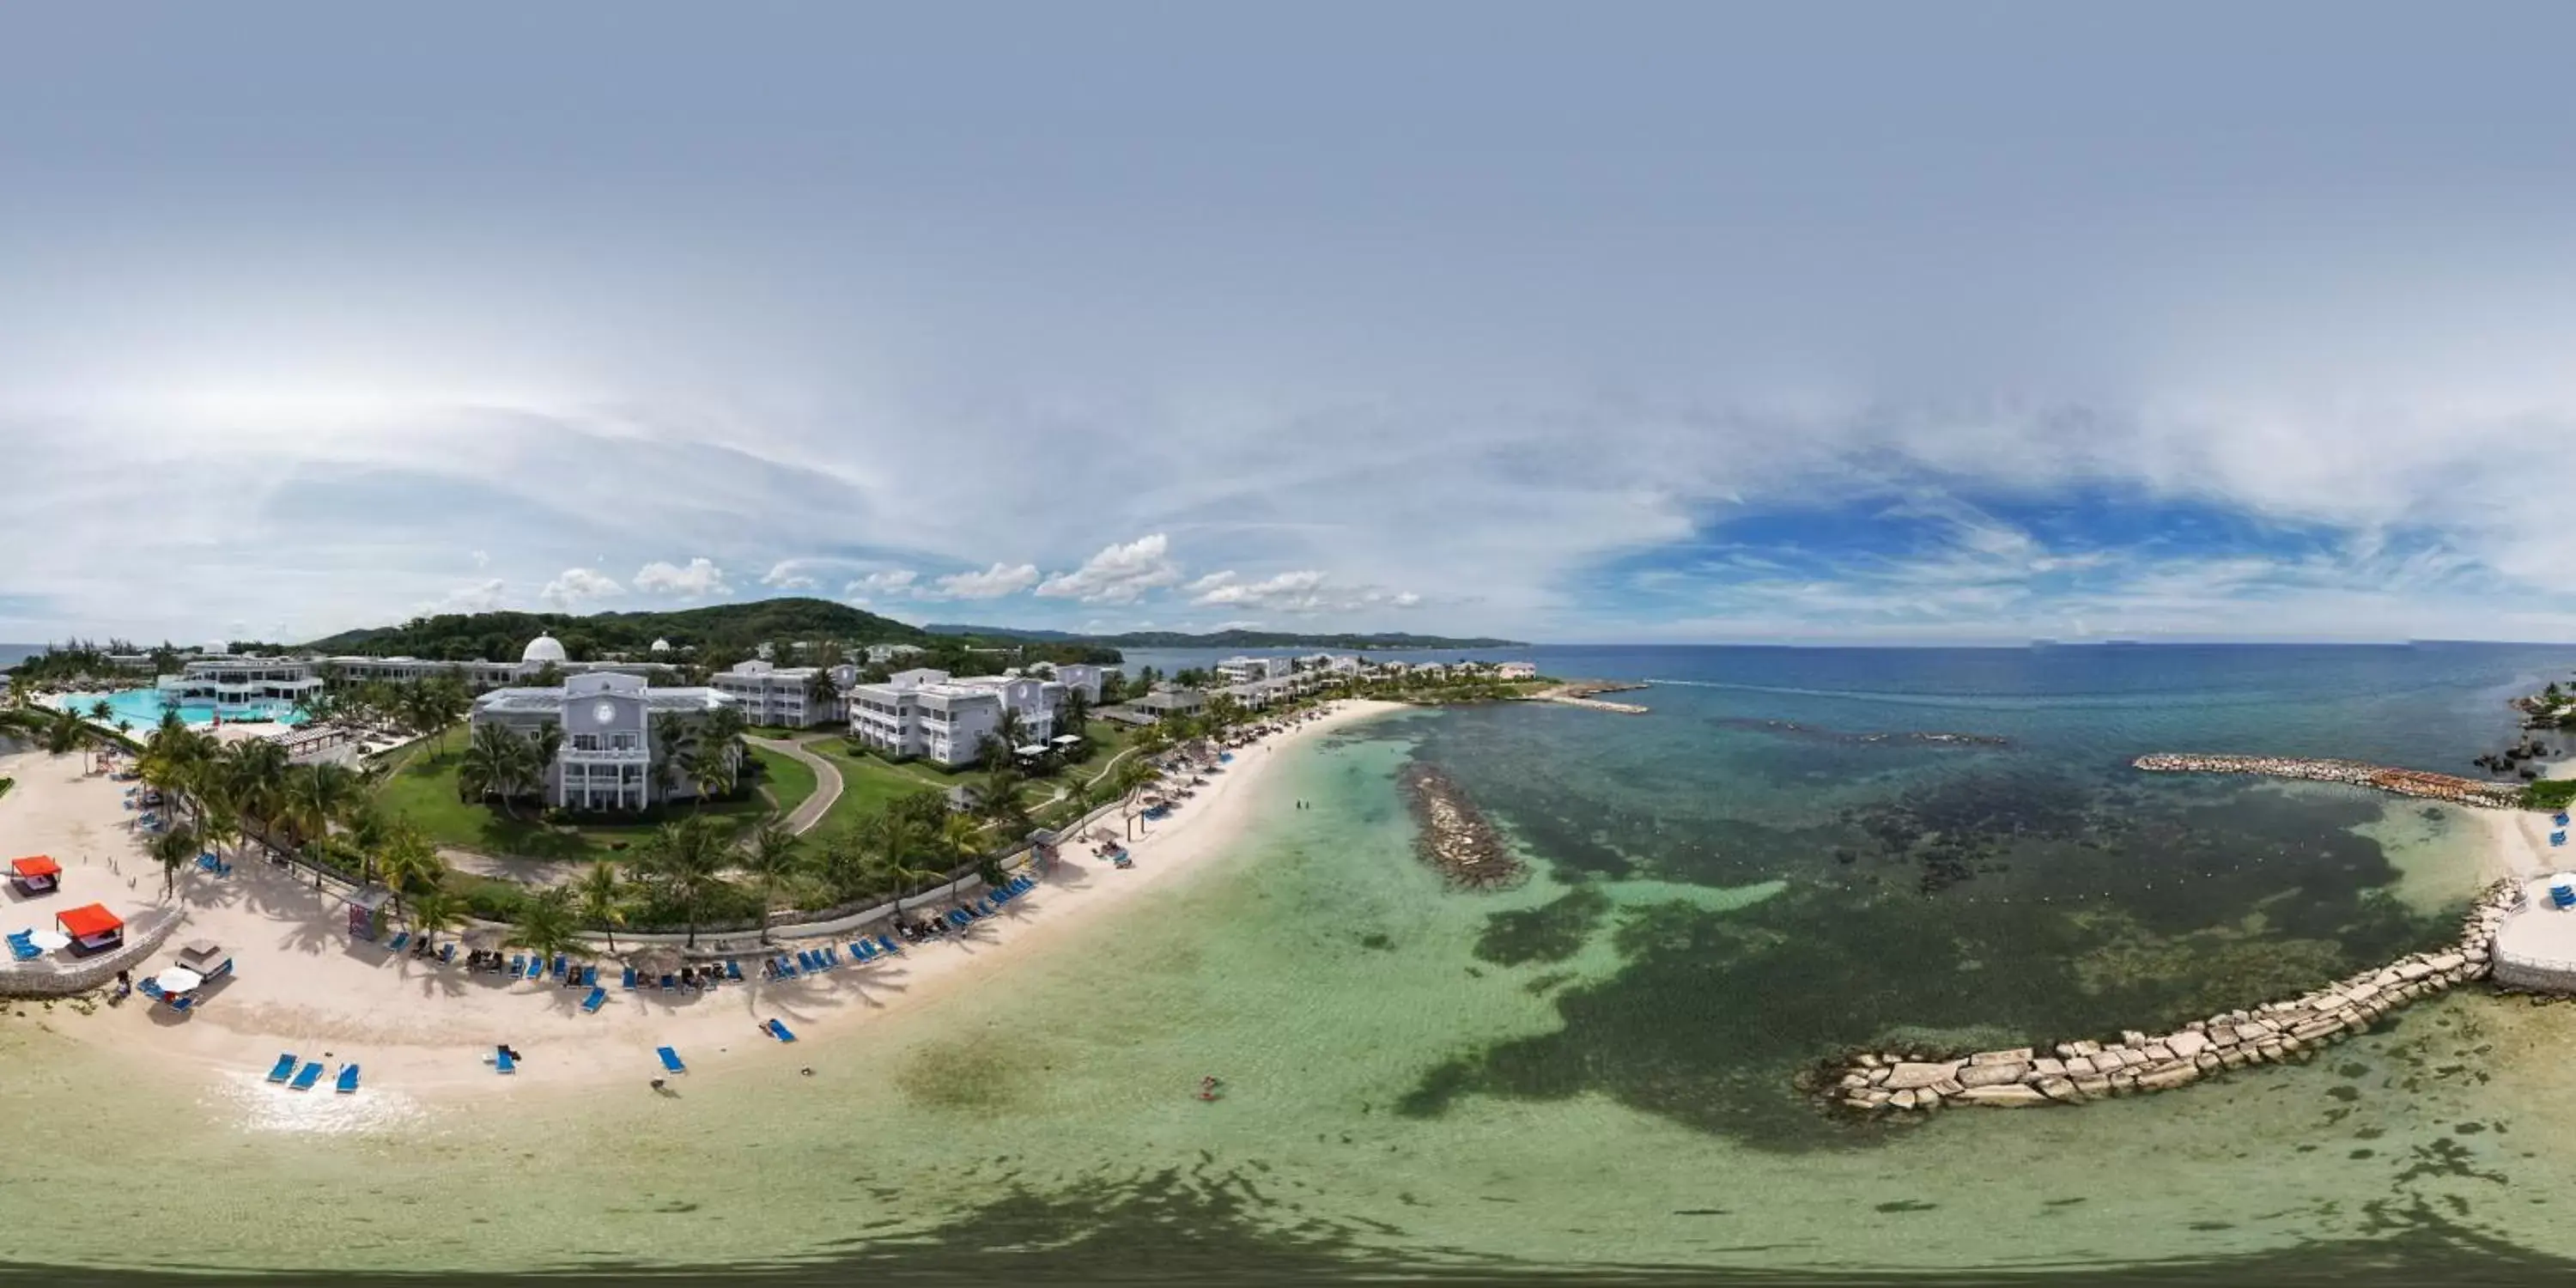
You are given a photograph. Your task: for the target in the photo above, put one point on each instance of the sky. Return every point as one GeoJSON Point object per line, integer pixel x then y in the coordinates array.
{"type": "Point", "coordinates": [1642, 322]}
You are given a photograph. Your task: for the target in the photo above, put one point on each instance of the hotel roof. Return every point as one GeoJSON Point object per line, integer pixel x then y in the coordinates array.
{"type": "Point", "coordinates": [550, 701]}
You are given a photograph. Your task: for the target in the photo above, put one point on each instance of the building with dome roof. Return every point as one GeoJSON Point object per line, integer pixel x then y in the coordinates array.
{"type": "Point", "coordinates": [607, 760]}
{"type": "Point", "coordinates": [661, 646]}
{"type": "Point", "coordinates": [544, 649]}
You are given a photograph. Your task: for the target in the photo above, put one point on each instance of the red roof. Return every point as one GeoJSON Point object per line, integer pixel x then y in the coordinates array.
{"type": "Point", "coordinates": [89, 920]}
{"type": "Point", "coordinates": [36, 866]}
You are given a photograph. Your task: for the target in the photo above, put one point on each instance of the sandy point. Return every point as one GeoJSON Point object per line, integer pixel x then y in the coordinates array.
{"type": "Point", "coordinates": [420, 1030]}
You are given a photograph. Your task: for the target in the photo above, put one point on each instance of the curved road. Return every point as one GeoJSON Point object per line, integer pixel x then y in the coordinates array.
{"type": "Point", "coordinates": [544, 872]}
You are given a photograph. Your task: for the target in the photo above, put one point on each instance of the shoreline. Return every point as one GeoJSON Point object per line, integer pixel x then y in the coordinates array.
{"type": "Point", "coordinates": [425, 1033]}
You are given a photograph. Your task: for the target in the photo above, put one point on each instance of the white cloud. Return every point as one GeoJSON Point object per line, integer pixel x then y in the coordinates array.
{"type": "Point", "coordinates": [1119, 574]}
{"type": "Point", "coordinates": [701, 579]}
{"type": "Point", "coordinates": [788, 574]}
{"type": "Point", "coordinates": [1301, 591]}
{"type": "Point", "coordinates": [575, 586]}
{"type": "Point", "coordinates": [893, 581]}
{"type": "Point", "coordinates": [992, 583]}
{"type": "Point", "coordinates": [480, 597]}
{"type": "Point", "coordinates": [482, 558]}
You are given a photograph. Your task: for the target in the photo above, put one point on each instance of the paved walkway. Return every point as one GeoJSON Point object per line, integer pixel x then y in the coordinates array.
{"type": "Point", "coordinates": [827, 783]}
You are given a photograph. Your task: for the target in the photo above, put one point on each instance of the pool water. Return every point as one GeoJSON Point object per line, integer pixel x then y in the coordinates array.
{"type": "Point", "coordinates": [138, 710]}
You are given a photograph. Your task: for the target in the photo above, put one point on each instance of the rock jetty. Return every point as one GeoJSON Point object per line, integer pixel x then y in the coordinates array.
{"type": "Point", "coordinates": [1581, 693]}
{"type": "Point", "coordinates": [2404, 782]}
{"type": "Point", "coordinates": [1876, 1082]}
{"type": "Point", "coordinates": [1455, 836]}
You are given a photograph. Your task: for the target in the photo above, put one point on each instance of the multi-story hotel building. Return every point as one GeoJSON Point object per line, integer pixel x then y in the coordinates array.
{"type": "Point", "coordinates": [607, 761]}
{"type": "Point", "coordinates": [946, 719]}
{"type": "Point", "coordinates": [787, 696]}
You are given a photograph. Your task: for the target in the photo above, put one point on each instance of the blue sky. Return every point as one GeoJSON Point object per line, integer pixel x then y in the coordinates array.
{"type": "Point", "coordinates": [1661, 322]}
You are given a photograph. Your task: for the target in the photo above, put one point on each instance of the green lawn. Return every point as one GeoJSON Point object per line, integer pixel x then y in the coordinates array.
{"type": "Point", "coordinates": [785, 778]}
{"type": "Point", "coordinates": [423, 792]}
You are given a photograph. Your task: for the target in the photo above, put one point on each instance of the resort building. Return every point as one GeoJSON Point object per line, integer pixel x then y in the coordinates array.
{"type": "Point", "coordinates": [880, 654]}
{"type": "Point", "coordinates": [788, 696]}
{"type": "Point", "coordinates": [1243, 670]}
{"type": "Point", "coordinates": [945, 719]}
{"type": "Point", "coordinates": [1517, 670]}
{"type": "Point", "coordinates": [1073, 675]}
{"type": "Point", "coordinates": [607, 760]}
{"type": "Point", "coordinates": [244, 683]}
{"type": "Point", "coordinates": [541, 652]}
{"type": "Point", "coordinates": [1166, 703]}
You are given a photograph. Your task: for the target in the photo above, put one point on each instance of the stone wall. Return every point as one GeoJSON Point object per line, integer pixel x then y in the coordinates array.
{"type": "Point", "coordinates": [2075, 1072]}
{"type": "Point", "coordinates": [2404, 782]}
{"type": "Point", "coordinates": [56, 976]}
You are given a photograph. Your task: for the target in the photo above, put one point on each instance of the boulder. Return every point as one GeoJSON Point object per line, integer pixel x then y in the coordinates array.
{"type": "Point", "coordinates": [2018, 1055]}
{"type": "Point", "coordinates": [2048, 1068]}
{"type": "Point", "coordinates": [2061, 1089]}
{"type": "Point", "coordinates": [2187, 1044]}
{"type": "Point", "coordinates": [1911, 1075]}
{"type": "Point", "coordinates": [2011, 1096]}
{"type": "Point", "coordinates": [1991, 1075]}
{"type": "Point", "coordinates": [2164, 1079]}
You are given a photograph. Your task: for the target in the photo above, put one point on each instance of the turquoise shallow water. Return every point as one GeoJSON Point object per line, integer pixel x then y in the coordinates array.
{"type": "Point", "coordinates": [1591, 1070]}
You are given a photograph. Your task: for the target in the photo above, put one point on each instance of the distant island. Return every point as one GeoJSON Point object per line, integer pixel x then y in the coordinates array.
{"type": "Point", "coordinates": [1231, 639]}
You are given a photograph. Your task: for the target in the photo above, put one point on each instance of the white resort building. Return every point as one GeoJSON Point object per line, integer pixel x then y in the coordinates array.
{"type": "Point", "coordinates": [242, 683]}
{"type": "Point", "coordinates": [788, 695]}
{"type": "Point", "coordinates": [607, 760]}
{"type": "Point", "coordinates": [945, 719]}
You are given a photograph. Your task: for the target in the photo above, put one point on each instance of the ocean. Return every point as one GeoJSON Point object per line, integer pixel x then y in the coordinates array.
{"type": "Point", "coordinates": [1798, 851]}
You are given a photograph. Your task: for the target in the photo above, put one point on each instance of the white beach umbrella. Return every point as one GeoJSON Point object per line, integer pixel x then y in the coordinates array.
{"type": "Point", "coordinates": [178, 979]}
{"type": "Point", "coordinates": [50, 940]}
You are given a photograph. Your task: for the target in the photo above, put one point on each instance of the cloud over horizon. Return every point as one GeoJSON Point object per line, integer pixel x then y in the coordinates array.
{"type": "Point", "coordinates": [1994, 336]}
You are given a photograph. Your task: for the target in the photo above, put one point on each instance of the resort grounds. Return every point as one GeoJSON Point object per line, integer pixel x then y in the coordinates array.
{"type": "Point", "coordinates": [301, 983]}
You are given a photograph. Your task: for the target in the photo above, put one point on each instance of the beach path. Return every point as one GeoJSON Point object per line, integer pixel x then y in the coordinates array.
{"type": "Point", "coordinates": [827, 783]}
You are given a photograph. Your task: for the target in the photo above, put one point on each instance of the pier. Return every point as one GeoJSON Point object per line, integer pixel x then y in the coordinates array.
{"type": "Point", "coordinates": [2404, 782]}
{"type": "Point", "coordinates": [1877, 1083]}
{"type": "Point", "coordinates": [1584, 693]}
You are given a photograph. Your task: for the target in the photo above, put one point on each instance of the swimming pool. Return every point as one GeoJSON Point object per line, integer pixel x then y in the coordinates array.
{"type": "Point", "coordinates": [138, 710]}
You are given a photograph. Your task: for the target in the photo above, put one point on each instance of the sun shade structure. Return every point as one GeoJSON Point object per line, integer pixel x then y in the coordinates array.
{"type": "Point", "coordinates": [92, 926]}
{"type": "Point", "coordinates": [36, 874]}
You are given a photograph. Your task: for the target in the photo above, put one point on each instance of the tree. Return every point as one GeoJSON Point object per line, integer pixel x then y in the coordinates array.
{"type": "Point", "coordinates": [547, 925]}
{"type": "Point", "coordinates": [496, 762]}
{"type": "Point", "coordinates": [1073, 715]}
{"type": "Point", "coordinates": [409, 864]}
{"type": "Point", "coordinates": [100, 711]}
{"type": "Point", "coordinates": [435, 912]}
{"type": "Point", "coordinates": [707, 772]}
{"type": "Point", "coordinates": [317, 796]}
{"type": "Point", "coordinates": [669, 732]}
{"type": "Point", "coordinates": [173, 850]}
{"type": "Point", "coordinates": [548, 676]}
{"type": "Point", "coordinates": [255, 780]}
{"type": "Point", "coordinates": [768, 858]}
{"type": "Point", "coordinates": [822, 691]}
{"type": "Point", "coordinates": [543, 748]}
{"type": "Point", "coordinates": [687, 864]}
{"type": "Point", "coordinates": [65, 734]}
{"type": "Point", "coordinates": [601, 896]}
{"type": "Point", "coordinates": [895, 834]}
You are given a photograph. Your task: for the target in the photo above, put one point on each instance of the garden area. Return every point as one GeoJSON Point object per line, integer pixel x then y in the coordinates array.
{"type": "Point", "coordinates": [423, 792]}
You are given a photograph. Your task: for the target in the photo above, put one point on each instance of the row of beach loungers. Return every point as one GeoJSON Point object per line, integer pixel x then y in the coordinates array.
{"type": "Point", "coordinates": [287, 1073]}
{"type": "Point", "coordinates": [22, 946]}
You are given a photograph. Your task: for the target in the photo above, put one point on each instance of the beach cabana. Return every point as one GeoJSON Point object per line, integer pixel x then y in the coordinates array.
{"type": "Point", "coordinates": [206, 958]}
{"type": "Point", "coordinates": [36, 874]}
{"type": "Point", "coordinates": [92, 928]}
{"type": "Point", "coordinates": [367, 906]}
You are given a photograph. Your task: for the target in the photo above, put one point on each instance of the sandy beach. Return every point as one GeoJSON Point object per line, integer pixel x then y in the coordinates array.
{"type": "Point", "coordinates": [419, 1030]}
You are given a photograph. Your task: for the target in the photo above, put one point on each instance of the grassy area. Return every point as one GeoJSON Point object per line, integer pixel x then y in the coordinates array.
{"type": "Point", "coordinates": [423, 792]}
{"type": "Point", "coordinates": [2550, 793]}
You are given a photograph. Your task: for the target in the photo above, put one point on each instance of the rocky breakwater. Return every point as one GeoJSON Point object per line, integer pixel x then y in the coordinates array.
{"type": "Point", "coordinates": [2404, 782]}
{"type": "Point", "coordinates": [1584, 693]}
{"type": "Point", "coordinates": [1455, 836]}
{"type": "Point", "coordinates": [1878, 1082]}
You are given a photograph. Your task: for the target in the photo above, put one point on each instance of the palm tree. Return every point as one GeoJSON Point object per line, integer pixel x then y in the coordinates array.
{"type": "Point", "coordinates": [217, 823]}
{"type": "Point", "coordinates": [173, 850]}
{"type": "Point", "coordinates": [317, 796]}
{"type": "Point", "coordinates": [770, 856]}
{"type": "Point", "coordinates": [433, 912]}
{"type": "Point", "coordinates": [547, 925]}
{"type": "Point", "coordinates": [1073, 715]}
{"type": "Point", "coordinates": [688, 860]}
{"type": "Point", "coordinates": [543, 748]}
{"type": "Point", "coordinates": [64, 733]}
{"type": "Point", "coordinates": [669, 731]}
{"type": "Point", "coordinates": [495, 762]}
{"type": "Point", "coordinates": [707, 772]}
{"type": "Point", "coordinates": [255, 774]}
{"type": "Point", "coordinates": [601, 895]}
{"type": "Point", "coordinates": [821, 691]}
{"type": "Point", "coordinates": [895, 834]}
{"type": "Point", "coordinates": [409, 864]}
{"type": "Point", "coordinates": [100, 711]}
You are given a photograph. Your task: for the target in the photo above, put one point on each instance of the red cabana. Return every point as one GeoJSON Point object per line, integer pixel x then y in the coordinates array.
{"type": "Point", "coordinates": [92, 927]}
{"type": "Point", "coordinates": [36, 874]}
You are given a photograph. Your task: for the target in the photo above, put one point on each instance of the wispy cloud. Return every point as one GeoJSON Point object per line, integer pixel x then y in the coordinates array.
{"type": "Point", "coordinates": [700, 579]}
{"type": "Point", "coordinates": [992, 583]}
{"type": "Point", "coordinates": [1118, 574]}
{"type": "Point", "coordinates": [573, 587]}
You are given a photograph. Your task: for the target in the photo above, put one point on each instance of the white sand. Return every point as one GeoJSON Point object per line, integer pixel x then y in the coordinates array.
{"type": "Point", "coordinates": [302, 984]}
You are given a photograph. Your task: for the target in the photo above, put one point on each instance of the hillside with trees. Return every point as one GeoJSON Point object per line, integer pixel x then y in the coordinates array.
{"type": "Point", "coordinates": [1236, 638]}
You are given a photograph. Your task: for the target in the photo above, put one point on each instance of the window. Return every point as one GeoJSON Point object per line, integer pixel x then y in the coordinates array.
{"type": "Point", "coordinates": [585, 742]}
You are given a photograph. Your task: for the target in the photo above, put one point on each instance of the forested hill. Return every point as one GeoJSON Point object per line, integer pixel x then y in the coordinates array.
{"type": "Point", "coordinates": [1234, 639]}
{"type": "Point", "coordinates": [725, 628]}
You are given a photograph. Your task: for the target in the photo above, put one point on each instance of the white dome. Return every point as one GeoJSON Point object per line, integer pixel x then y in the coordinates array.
{"type": "Point", "coordinates": [543, 648]}
{"type": "Point", "coordinates": [661, 646]}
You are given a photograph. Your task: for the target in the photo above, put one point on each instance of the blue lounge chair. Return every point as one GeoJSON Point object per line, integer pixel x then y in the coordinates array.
{"type": "Point", "coordinates": [183, 1005]}
{"type": "Point", "coordinates": [778, 1029]}
{"type": "Point", "coordinates": [598, 997]}
{"type": "Point", "coordinates": [782, 968]}
{"type": "Point", "coordinates": [629, 982]}
{"type": "Point", "coordinates": [957, 917]}
{"type": "Point", "coordinates": [2558, 838]}
{"type": "Point", "coordinates": [347, 1082]}
{"type": "Point", "coordinates": [447, 955]}
{"type": "Point", "coordinates": [283, 1069]}
{"type": "Point", "coordinates": [151, 988]}
{"type": "Point", "coordinates": [670, 1060]}
{"type": "Point", "coordinates": [887, 943]}
{"type": "Point", "coordinates": [25, 950]}
{"type": "Point", "coordinates": [561, 965]}
{"type": "Point", "coordinates": [733, 970]}
{"type": "Point", "coordinates": [399, 942]}
{"type": "Point", "coordinates": [2562, 896]}
{"type": "Point", "coordinates": [2560, 818]}
{"type": "Point", "coordinates": [308, 1075]}
{"type": "Point", "coordinates": [832, 956]}
{"type": "Point", "coordinates": [862, 951]}
{"type": "Point", "coordinates": [670, 981]}
{"type": "Point", "coordinates": [518, 964]}
{"type": "Point", "coordinates": [502, 1063]}
{"type": "Point", "coordinates": [590, 976]}
{"type": "Point", "coordinates": [536, 967]}
{"type": "Point", "coordinates": [805, 961]}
